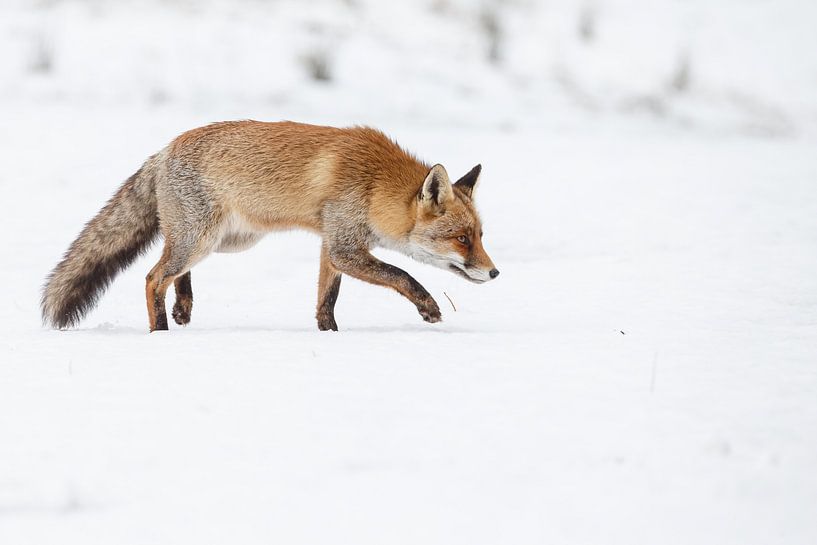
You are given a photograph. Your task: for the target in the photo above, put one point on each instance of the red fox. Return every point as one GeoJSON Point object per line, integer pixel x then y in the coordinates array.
{"type": "Point", "coordinates": [222, 187]}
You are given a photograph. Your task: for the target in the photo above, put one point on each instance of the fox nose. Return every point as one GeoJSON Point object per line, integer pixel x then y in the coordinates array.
{"type": "Point", "coordinates": [494, 273]}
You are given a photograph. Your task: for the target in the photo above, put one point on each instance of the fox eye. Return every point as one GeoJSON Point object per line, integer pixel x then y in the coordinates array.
{"type": "Point", "coordinates": [462, 239]}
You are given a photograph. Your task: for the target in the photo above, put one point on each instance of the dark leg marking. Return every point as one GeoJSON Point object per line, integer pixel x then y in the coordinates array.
{"type": "Point", "coordinates": [159, 312]}
{"type": "Point", "coordinates": [362, 265]}
{"type": "Point", "coordinates": [184, 299]}
{"type": "Point", "coordinates": [326, 308]}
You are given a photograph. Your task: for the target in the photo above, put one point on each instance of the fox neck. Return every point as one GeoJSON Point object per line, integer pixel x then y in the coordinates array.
{"type": "Point", "coordinates": [394, 228]}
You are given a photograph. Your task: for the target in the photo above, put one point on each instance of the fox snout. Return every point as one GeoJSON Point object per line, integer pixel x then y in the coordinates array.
{"type": "Point", "coordinates": [478, 263]}
{"type": "Point", "coordinates": [475, 274]}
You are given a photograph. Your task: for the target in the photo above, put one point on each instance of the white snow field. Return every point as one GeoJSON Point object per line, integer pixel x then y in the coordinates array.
{"type": "Point", "coordinates": [643, 371]}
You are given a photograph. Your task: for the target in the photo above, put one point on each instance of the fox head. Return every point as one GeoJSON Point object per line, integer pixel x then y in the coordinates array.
{"type": "Point", "coordinates": [448, 232]}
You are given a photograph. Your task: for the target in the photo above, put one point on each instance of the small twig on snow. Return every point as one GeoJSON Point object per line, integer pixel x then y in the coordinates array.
{"type": "Point", "coordinates": [450, 301]}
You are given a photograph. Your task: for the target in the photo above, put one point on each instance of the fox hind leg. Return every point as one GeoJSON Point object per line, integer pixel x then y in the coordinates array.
{"type": "Point", "coordinates": [156, 284]}
{"type": "Point", "coordinates": [176, 261]}
{"type": "Point", "coordinates": [184, 299]}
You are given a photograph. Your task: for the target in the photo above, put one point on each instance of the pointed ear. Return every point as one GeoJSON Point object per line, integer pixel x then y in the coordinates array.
{"type": "Point", "coordinates": [436, 189]}
{"type": "Point", "coordinates": [468, 182]}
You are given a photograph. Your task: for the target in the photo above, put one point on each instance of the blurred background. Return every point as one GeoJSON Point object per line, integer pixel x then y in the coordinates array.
{"type": "Point", "coordinates": [642, 372]}
{"type": "Point", "coordinates": [731, 66]}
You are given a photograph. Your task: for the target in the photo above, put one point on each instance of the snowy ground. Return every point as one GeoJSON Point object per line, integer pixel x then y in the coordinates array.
{"type": "Point", "coordinates": [644, 371]}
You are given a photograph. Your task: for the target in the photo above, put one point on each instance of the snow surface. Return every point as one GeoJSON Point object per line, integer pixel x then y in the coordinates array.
{"type": "Point", "coordinates": [643, 371]}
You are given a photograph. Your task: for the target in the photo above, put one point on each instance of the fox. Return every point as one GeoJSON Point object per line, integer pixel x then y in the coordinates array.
{"type": "Point", "coordinates": [222, 187]}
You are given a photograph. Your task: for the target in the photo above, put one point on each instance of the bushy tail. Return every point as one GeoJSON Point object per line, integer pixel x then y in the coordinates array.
{"type": "Point", "coordinates": [111, 241]}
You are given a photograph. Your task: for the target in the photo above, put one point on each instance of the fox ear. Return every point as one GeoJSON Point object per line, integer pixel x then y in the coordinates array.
{"type": "Point", "coordinates": [436, 188]}
{"type": "Point", "coordinates": [468, 182]}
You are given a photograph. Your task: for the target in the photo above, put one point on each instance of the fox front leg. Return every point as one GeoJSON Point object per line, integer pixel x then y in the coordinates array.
{"type": "Point", "coordinates": [328, 288]}
{"type": "Point", "coordinates": [359, 263]}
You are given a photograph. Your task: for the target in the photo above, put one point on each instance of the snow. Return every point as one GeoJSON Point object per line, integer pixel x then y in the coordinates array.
{"type": "Point", "coordinates": [643, 370]}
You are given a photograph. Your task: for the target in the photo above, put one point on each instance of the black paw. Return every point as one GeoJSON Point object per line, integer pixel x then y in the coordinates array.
{"type": "Point", "coordinates": [161, 324]}
{"type": "Point", "coordinates": [327, 323]}
{"type": "Point", "coordinates": [430, 312]}
{"type": "Point", "coordinates": [181, 314]}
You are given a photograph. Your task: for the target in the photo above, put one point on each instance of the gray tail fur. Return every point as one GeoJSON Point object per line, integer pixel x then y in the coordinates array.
{"type": "Point", "coordinates": [109, 243]}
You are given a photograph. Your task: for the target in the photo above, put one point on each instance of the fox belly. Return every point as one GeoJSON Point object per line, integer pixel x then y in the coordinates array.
{"type": "Point", "coordinates": [238, 235]}
{"type": "Point", "coordinates": [237, 242]}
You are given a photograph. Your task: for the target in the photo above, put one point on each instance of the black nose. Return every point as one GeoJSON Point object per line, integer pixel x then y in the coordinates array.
{"type": "Point", "coordinates": [494, 273]}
